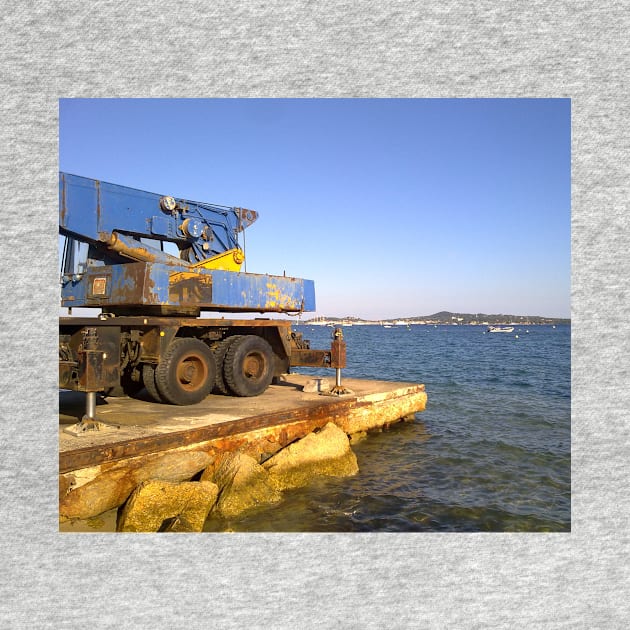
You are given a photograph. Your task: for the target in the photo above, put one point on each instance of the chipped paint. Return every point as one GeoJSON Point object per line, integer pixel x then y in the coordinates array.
{"type": "Point", "coordinates": [113, 218]}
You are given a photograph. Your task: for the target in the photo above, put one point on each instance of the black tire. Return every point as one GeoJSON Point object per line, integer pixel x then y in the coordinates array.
{"type": "Point", "coordinates": [186, 373]}
{"type": "Point", "coordinates": [220, 386]}
{"type": "Point", "coordinates": [127, 387]}
{"type": "Point", "coordinates": [248, 366]}
{"type": "Point", "coordinates": [148, 376]}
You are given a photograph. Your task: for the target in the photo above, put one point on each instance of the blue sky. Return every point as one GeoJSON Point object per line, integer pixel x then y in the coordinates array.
{"type": "Point", "coordinates": [395, 207]}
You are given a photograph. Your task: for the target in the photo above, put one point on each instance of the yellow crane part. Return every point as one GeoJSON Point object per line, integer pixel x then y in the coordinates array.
{"type": "Point", "coordinates": [231, 260]}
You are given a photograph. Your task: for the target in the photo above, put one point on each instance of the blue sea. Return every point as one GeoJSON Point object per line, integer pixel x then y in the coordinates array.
{"type": "Point", "coordinates": [491, 452]}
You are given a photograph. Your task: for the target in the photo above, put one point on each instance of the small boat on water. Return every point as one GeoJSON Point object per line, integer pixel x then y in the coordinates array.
{"type": "Point", "coordinates": [506, 329]}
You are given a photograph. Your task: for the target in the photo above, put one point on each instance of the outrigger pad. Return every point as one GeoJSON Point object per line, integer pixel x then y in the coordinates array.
{"type": "Point", "coordinates": [87, 425]}
{"type": "Point", "coordinates": [338, 391]}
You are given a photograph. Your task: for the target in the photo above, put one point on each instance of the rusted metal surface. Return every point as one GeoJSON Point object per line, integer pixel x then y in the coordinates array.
{"type": "Point", "coordinates": [157, 332]}
{"type": "Point", "coordinates": [310, 358]}
{"type": "Point", "coordinates": [62, 200]}
{"type": "Point", "coordinates": [186, 287]}
{"type": "Point", "coordinates": [246, 217]}
{"type": "Point", "coordinates": [91, 359]}
{"type": "Point", "coordinates": [139, 321]}
{"type": "Point", "coordinates": [117, 223]}
{"type": "Point", "coordinates": [338, 350]}
{"type": "Point", "coordinates": [91, 362]}
{"type": "Point", "coordinates": [133, 285]}
{"type": "Point", "coordinates": [233, 432]}
{"type": "Point", "coordinates": [129, 248]}
{"type": "Point", "coordinates": [98, 202]}
{"type": "Point", "coordinates": [131, 341]}
{"type": "Point", "coordinates": [100, 477]}
{"type": "Point", "coordinates": [388, 403]}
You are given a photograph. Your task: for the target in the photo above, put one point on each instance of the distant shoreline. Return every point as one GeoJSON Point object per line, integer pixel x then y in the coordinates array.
{"type": "Point", "coordinates": [443, 318]}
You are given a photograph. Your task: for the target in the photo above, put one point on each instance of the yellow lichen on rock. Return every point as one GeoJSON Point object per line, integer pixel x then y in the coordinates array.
{"type": "Point", "coordinates": [174, 467]}
{"type": "Point", "coordinates": [242, 484]}
{"type": "Point", "coordinates": [380, 413]}
{"type": "Point", "coordinates": [326, 452]}
{"type": "Point", "coordinates": [164, 506]}
{"type": "Point", "coordinates": [111, 488]}
{"type": "Point", "coordinates": [104, 493]}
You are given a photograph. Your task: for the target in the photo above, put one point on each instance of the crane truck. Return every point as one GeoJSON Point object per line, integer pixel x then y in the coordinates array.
{"type": "Point", "coordinates": [156, 266]}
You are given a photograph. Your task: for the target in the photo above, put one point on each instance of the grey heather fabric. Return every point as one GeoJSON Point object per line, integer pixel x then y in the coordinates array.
{"type": "Point", "coordinates": [332, 49]}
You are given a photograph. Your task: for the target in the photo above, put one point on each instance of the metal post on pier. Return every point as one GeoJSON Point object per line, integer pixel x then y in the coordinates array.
{"type": "Point", "coordinates": [338, 361]}
{"type": "Point", "coordinates": [90, 406]}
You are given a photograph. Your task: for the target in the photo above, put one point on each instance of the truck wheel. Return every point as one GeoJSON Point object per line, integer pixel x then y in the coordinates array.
{"type": "Point", "coordinates": [220, 386]}
{"type": "Point", "coordinates": [148, 376]}
{"type": "Point", "coordinates": [186, 373]}
{"type": "Point", "coordinates": [248, 366]}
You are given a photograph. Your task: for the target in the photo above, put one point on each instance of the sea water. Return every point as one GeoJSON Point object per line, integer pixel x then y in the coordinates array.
{"type": "Point", "coordinates": [491, 452]}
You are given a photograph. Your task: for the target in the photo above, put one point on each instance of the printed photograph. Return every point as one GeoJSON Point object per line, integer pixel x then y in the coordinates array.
{"type": "Point", "coordinates": [315, 315]}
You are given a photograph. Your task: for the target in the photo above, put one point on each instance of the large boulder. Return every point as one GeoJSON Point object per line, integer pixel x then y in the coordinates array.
{"type": "Point", "coordinates": [242, 483]}
{"type": "Point", "coordinates": [105, 492]}
{"type": "Point", "coordinates": [112, 488]}
{"type": "Point", "coordinates": [174, 467]}
{"type": "Point", "coordinates": [326, 452]}
{"type": "Point", "coordinates": [165, 506]}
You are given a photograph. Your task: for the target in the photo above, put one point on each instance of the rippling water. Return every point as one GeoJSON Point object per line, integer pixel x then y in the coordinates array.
{"type": "Point", "coordinates": [491, 452]}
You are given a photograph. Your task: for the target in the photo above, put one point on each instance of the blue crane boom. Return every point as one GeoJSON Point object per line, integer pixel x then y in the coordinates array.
{"type": "Point", "coordinates": [126, 269]}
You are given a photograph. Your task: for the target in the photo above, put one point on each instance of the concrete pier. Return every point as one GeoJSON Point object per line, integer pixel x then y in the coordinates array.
{"type": "Point", "coordinates": [140, 440]}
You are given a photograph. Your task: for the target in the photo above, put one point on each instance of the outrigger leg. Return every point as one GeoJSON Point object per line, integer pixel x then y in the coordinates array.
{"type": "Point", "coordinates": [91, 362]}
{"type": "Point", "coordinates": [89, 421]}
{"type": "Point", "coordinates": [338, 361]}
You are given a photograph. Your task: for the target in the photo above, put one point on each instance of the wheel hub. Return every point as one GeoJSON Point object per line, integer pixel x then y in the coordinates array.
{"type": "Point", "coordinates": [191, 373]}
{"type": "Point", "coordinates": [254, 366]}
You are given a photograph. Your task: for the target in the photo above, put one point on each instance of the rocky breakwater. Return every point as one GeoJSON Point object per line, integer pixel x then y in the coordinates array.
{"type": "Point", "coordinates": [225, 487]}
{"type": "Point", "coordinates": [169, 478]}
{"type": "Point", "coordinates": [244, 484]}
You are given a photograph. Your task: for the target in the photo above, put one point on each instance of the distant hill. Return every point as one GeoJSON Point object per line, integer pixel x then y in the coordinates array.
{"type": "Point", "coordinates": [447, 317]}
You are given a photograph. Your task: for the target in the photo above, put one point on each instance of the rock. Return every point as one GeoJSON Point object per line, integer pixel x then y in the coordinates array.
{"type": "Point", "coordinates": [104, 493]}
{"type": "Point", "coordinates": [174, 467]}
{"type": "Point", "coordinates": [66, 483]}
{"type": "Point", "coordinates": [327, 452]}
{"type": "Point", "coordinates": [165, 506]}
{"type": "Point", "coordinates": [242, 484]}
{"type": "Point", "coordinates": [316, 385]}
{"type": "Point", "coordinates": [112, 488]}
{"type": "Point", "coordinates": [359, 436]}
{"type": "Point", "coordinates": [383, 409]}
{"type": "Point", "coordinates": [105, 522]}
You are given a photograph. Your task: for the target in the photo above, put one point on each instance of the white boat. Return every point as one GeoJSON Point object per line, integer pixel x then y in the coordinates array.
{"type": "Point", "coordinates": [507, 329]}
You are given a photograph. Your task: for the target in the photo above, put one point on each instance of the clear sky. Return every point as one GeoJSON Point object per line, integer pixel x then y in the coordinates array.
{"type": "Point", "coordinates": [394, 207]}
